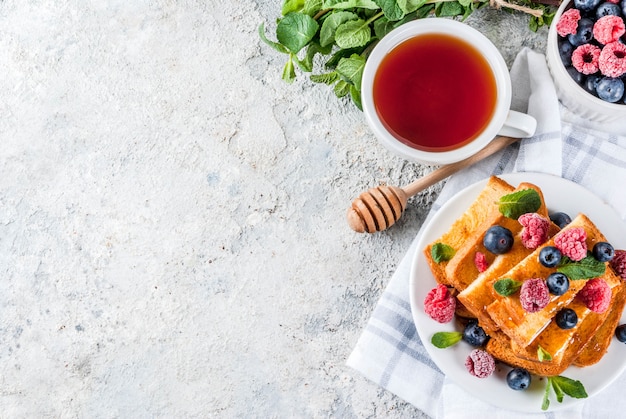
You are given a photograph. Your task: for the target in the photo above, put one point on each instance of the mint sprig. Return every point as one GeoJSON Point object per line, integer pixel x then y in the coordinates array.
{"type": "Point", "coordinates": [441, 252]}
{"type": "Point", "coordinates": [507, 286]}
{"type": "Point", "coordinates": [543, 355]}
{"type": "Point", "coordinates": [515, 204]}
{"type": "Point", "coordinates": [443, 340]}
{"type": "Point", "coordinates": [337, 30]}
{"type": "Point", "coordinates": [562, 385]}
{"type": "Point", "coordinates": [587, 268]}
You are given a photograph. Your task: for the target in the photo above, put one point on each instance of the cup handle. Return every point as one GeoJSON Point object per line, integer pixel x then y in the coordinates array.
{"type": "Point", "coordinates": [518, 125]}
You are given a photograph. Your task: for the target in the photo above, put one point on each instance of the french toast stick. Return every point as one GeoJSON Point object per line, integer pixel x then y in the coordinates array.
{"type": "Point", "coordinates": [466, 225]}
{"type": "Point", "coordinates": [508, 314]}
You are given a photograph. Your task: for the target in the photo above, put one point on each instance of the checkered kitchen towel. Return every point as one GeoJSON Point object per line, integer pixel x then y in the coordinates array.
{"type": "Point", "coordinates": [389, 351]}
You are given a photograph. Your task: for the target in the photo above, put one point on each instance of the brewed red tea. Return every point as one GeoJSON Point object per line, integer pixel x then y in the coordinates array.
{"type": "Point", "coordinates": [435, 92]}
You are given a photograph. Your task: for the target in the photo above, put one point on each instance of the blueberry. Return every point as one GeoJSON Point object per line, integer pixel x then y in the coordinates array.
{"type": "Point", "coordinates": [583, 34]}
{"type": "Point", "coordinates": [566, 318]}
{"type": "Point", "coordinates": [606, 9]}
{"type": "Point", "coordinates": [518, 379]}
{"type": "Point", "coordinates": [558, 283]}
{"type": "Point", "coordinates": [620, 333]}
{"type": "Point", "coordinates": [565, 51]}
{"type": "Point", "coordinates": [498, 240]}
{"type": "Point", "coordinates": [578, 77]}
{"type": "Point", "coordinates": [549, 256]}
{"type": "Point", "coordinates": [591, 83]}
{"type": "Point", "coordinates": [560, 218]}
{"type": "Point", "coordinates": [474, 334]}
{"type": "Point", "coordinates": [586, 5]}
{"type": "Point", "coordinates": [603, 251]}
{"type": "Point", "coordinates": [610, 89]}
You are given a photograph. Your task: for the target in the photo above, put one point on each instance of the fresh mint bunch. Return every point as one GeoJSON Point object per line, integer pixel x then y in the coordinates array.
{"type": "Point", "coordinates": [343, 32]}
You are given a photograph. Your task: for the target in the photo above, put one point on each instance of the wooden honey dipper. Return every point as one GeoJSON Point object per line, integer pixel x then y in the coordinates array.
{"type": "Point", "coordinates": [379, 208]}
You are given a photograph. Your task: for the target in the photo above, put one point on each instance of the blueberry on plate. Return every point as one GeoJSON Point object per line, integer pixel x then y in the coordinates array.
{"type": "Point", "coordinates": [474, 334]}
{"type": "Point", "coordinates": [603, 252]}
{"type": "Point", "coordinates": [560, 218]}
{"type": "Point", "coordinates": [610, 89]}
{"type": "Point", "coordinates": [498, 240]}
{"type": "Point", "coordinates": [518, 379]}
{"type": "Point", "coordinates": [586, 5]}
{"type": "Point", "coordinates": [583, 34]}
{"type": "Point", "coordinates": [549, 256]}
{"type": "Point", "coordinates": [566, 318]}
{"type": "Point", "coordinates": [558, 283]}
{"type": "Point", "coordinates": [565, 51]}
{"type": "Point", "coordinates": [620, 333]}
{"type": "Point", "coordinates": [607, 8]}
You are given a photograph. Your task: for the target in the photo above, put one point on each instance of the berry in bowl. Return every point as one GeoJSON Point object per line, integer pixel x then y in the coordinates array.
{"type": "Point", "coordinates": [586, 55]}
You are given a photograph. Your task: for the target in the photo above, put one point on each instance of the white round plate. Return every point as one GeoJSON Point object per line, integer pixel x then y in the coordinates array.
{"type": "Point", "coordinates": [560, 195]}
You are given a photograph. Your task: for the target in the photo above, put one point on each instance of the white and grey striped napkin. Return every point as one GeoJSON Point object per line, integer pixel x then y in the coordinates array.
{"type": "Point", "coordinates": [389, 351]}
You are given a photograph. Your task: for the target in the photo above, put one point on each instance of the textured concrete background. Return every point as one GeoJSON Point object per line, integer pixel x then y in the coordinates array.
{"type": "Point", "coordinates": [172, 234]}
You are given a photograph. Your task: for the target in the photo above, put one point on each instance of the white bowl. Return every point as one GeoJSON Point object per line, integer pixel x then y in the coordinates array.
{"type": "Point", "coordinates": [573, 96]}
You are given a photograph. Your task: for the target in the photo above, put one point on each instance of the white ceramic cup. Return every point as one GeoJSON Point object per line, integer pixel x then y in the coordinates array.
{"type": "Point", "coordinates": [503, 122]}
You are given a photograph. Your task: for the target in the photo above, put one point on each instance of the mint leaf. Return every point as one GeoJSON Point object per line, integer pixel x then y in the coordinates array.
{"type": "Point", "coordinates": [292, 6]}
{"type": "Point", "coordinates": [558, 392]}
{"type": "Point", "coordinates": [351, 69]}
{"type": "Point", "coordinates": [354, 33]}
{"type": "Point", "coordinates": [409, 6]}
{"type": "Point", "coordinates": [278, 47]}
{"type": "Point", "coordinates": [327, 78]}
{"type": "Point", "coordinates": [441, 252]}
{"type": "Point", "coordinates": [289, 71]}
{"type": "Point", "coordinates": [391, 9]}
{"type": "Point", "coordinates": [562, 385]}
{"type": "Point", "coordinates": [587, 268]}
{"type": "Point", "coordinates": [355, 95]}
{"type": "Point", "coordinates": [448, 9]}
{"type": "Point", "coordinates": [296, 30]}
{"type": "Point", "coordinates": [543, 355]}
{"type": "Point", "coordinates": [572, 388]}
{"type": "Point", "coordinates": [445, 339]}
{"type": "Point", "coordinates": [507, 286]}
{"type": "Point", "coordinates": [546, 395]}
{"type": "Point", "coordinates": [342, 88]}
{"type": "Point", "coordinates": [520, 202]}
{"type": "Point", "coordinates": [349, 4]}
{"type": "Point", "coordinates": [331, 23]}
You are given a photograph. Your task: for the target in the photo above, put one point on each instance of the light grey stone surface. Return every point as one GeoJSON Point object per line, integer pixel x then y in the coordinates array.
{"type": "Point", "coordinates": [172, 232]}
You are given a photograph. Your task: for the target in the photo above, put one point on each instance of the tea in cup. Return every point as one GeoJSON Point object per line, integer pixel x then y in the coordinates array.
{"type": "Point", "coordinates": [437, 91]}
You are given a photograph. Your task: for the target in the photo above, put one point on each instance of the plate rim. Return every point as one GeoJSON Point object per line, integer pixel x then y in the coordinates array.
{"type": "Point", "coordinates": [477, 389]}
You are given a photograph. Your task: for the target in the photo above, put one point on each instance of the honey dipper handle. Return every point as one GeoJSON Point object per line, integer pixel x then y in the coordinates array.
{"type": "Point", "coordinates": [443, 172]}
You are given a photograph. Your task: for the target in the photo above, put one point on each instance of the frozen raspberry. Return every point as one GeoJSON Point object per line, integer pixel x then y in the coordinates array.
{"type": "Point", "coordinates": [612, 60]}
{"type": "Point", "coordinates": [480, 363]}
{"type": "Point", "coordinates": [568, 23]}
{"type": "Point", "coordinates": [585, 59]}
{"type": "Point", "coordinates": [480, 260]}
{"type": "Point", "coordinates": [534, 295]}
{"type": "Point", "coordinates": [439, 304]}
{"type": "Point", "coordinates": [596, 294]}
{"type": "Point", "coordinates": [618, 263]}
{"type": "Point", "coordinates": [608, 29]}
{"type": "Point", "coordinates": [572, 243]}
{"type": "Point", "coordinates": [535, 231]}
